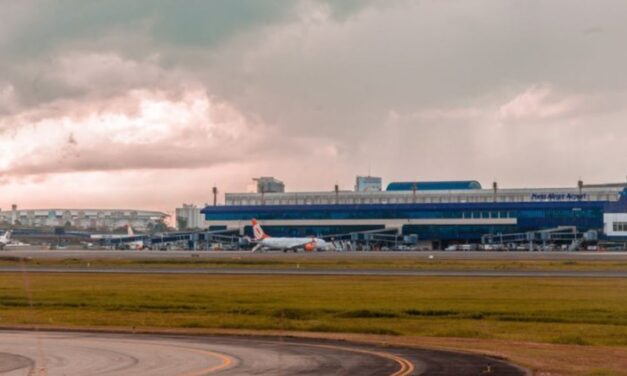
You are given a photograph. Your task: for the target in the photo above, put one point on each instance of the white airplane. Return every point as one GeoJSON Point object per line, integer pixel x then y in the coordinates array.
{"type": "Point", "coordinates": [266, 242]}
{"type": "Point", "coordinates": [135, 244]}
{"type": "Point", "coordinates": [5, 239]}
{"type": "Point", "coordinates": [128, 239]}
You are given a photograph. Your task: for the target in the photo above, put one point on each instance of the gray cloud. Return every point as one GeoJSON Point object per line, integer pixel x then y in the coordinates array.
{"type": "Point", "coordinates": [341, 79]}
{"type": "Point", "coordinates": [484, 90]}
{"type": "Point", "coordinates": [38, 36]}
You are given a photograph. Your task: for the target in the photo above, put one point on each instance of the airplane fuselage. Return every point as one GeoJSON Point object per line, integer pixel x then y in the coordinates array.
{"type": "Point", "coordinates": [308, 244]}
{"type": "Point", "coordinates": [136, 244]}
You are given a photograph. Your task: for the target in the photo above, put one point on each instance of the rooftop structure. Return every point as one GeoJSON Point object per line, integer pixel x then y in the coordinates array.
{"type": "Point", "coordinates": [426, 196]}
{"type": "Point", "coordinates": [368, 184]}
{"type": "Point", "coordinates": [268, 184]}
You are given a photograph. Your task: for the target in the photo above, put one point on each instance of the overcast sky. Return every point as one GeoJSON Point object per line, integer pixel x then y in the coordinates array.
{"type": "Point", "coordinates": [149, 103]}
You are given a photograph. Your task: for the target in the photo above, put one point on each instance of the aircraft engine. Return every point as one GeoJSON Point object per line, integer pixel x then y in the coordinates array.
{"type": "Point", "coordinates": [310, 246]}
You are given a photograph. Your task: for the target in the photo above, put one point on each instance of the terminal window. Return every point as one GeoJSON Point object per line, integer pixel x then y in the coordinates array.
{"type": "Point", "coordinates": [620, 226]}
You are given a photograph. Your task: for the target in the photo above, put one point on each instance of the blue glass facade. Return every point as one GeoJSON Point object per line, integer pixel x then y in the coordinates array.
{"type": "Point", "coordinates": [456, 232]}
{"type": "Point", "coordinates": [620, 206]}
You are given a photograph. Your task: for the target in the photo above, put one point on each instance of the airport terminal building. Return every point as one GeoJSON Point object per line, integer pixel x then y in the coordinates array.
{"type": "Point", "coordinates": [438, 212]}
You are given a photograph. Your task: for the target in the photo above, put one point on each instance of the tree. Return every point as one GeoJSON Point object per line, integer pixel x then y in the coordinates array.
{"type": "Point", "coordinates": [181, 223]}
{"type": "Point", "coordinates": [160, 226]}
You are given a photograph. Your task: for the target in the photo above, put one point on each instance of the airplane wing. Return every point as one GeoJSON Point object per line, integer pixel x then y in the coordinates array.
{"type": "Point", "coordinates": [298, 244]}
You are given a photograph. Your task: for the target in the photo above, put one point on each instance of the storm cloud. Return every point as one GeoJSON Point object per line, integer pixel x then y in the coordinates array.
{"type": "Point", "coordinates": [176, 95]}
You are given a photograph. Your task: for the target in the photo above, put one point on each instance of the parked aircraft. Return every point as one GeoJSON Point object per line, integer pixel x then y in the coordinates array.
{"type": "Point", "coordinates": [130, 240]}
{"type": "Point", "coordinates": [133, 244]}
{"type": "Point", "coordinates": [5, 239]}
{"type": "Point", "coordinates": [265, 242]}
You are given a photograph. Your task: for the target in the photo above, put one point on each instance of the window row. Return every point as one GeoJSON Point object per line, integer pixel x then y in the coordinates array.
{"type": "Point", "coordinates": [395, 200]}
{"type": "Point", "coordinates": [358, 214]}
{"type": "Point", "coordinates": [620, 226]}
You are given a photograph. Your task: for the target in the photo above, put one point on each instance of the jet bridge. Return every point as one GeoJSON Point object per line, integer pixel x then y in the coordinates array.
{"type": "Point", "coordinates": [542, 239]}
{"type": "Point", "coordinates": [193, 239]}
{"type": "Point", "coordinates": [388, 237]}
{"type": "Point", "coordinates": [190, 238]}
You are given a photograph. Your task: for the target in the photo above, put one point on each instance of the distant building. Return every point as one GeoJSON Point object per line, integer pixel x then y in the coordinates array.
{"type": "Point", "coordinates": [13, 214]}
{"type": "Point", "coordinates": [102, 219]}
{"type": "Point", "coordinates": [367, 184]}
{"type": "Point", "coordinates": [190, 217]}
{"type": "Point", "coordinates": [268, 184]}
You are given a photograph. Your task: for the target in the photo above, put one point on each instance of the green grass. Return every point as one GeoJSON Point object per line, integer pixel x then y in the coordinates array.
{"type": "Point", "coordinates": [557, 310]}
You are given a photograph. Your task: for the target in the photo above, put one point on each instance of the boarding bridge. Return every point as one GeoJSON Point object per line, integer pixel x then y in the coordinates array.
{"type": "Point", "coordinates": [188, 239]}
{"type": "Point", "coordinates": [542, 239]}
{"type": "Point", "coordinates": [387, 237]}
{"type": "Point", "coordinates": [229, 238]}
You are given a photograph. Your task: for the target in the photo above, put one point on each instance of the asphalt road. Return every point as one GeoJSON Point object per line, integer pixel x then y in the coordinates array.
{"type": "Point", "coordinates": [324, 272]}
{"type": "Point", "coordinates": [74, 353]}
{"type": "Point", "coordinates": [458, 255]}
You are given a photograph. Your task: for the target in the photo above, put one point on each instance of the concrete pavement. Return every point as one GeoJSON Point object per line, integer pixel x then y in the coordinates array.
{"type": "Point", "coordinates": [25, 353]}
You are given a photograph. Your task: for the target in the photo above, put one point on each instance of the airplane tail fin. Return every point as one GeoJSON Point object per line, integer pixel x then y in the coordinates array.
{"type": "Point", "coordinates": [258, 231]}
{"type": "Point", "coordinates": [7, 236]}
{"type": "Point", "coordinates": [130, 231]}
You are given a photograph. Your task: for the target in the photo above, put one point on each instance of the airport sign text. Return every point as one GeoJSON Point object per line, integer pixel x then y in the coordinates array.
{"type": "Point", "coordinates": [558, 196]}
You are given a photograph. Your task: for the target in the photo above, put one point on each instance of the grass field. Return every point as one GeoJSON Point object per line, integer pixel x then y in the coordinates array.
{"type": "Point", "coordinates": [555, 326]}
{"type": "Point", "coordinates": [306, 261]}
{"type": "Point", "coordinates": [567, 311]}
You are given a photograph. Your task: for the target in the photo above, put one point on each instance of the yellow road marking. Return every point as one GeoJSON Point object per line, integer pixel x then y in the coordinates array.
{"type": "Point", "coordinates": [406, 367]}
{"type": "Point", "coordinates": [227, 361]}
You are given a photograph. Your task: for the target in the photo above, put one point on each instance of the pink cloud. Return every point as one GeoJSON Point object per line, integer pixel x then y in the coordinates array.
{"type": "Point", "coordinates": [162, 133]}
{"type": "Point", "coordinates": [539, 103]}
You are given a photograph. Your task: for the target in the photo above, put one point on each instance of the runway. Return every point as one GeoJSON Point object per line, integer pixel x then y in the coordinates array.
{"type": "Point", "coordinates": [74, 353]}
{"type": "Point", "coordinates": [324, 272]}
{"type": "Point", "coordinates": [417, 255]}
{"type": "Point", "coordinates": [296, 263]}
